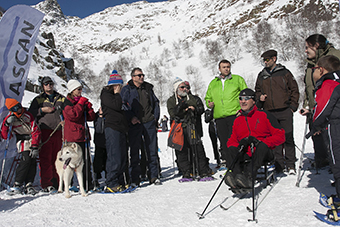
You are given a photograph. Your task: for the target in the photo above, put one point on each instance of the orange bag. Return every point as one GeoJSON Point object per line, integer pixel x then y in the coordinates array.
{"type": "Point", "coordinates": [176, 136]}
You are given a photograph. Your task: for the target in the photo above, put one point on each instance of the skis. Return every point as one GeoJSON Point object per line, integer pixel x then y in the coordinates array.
{"type": "Point", "coordinates": [240, 196]}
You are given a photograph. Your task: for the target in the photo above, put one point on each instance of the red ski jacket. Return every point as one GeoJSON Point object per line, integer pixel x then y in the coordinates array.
{"type": "Point", "coordinates": [260, 124]}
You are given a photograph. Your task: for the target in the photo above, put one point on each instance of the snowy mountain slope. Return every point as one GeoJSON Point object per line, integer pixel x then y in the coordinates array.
{"type": "Point", "coordinates": [176, 204]}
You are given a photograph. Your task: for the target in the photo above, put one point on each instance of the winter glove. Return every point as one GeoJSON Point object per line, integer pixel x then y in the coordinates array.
{"type": "Point", "coordinates": [34, 152]}
{"type": "Point", "coordinates": [180, 106]}
{"type": "Point", "coordinates": [243, 143]}
{"type": "Point", "coordinates": [10, 120]}
{"type": "Point", "coordinates": [82, 101]}
{"type": "Point", "coordinates": [89, 105]}
{"type": "Point", "coordinates": [253, 140]}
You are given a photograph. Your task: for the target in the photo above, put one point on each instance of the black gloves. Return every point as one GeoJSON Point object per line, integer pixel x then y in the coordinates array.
{"type": "Point", "coordinates": [247, 141]}
{"type": "Point", "coordinates": [34, 152]}
{"type": "Point", "coordinates": [10, 120]}
{"type": "Point", "coordinates": [253, 140]}
{"type": "Point", "coordinates": [180, 106]}
{"type": "Point", "coordinates": [243, 143]}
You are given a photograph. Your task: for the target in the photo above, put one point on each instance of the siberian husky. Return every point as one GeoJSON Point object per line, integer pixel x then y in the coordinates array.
{"type": "Point", "coordinates": [70, 160]}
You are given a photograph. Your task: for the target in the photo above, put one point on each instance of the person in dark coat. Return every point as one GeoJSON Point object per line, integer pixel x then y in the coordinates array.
{"type": "Point", "coordinates": [116, 127]}
{"type": "Point", "coordinates": [182, 108]}
{"type": "Point", "coordinates": [100, 156]}
{"type": "Point", "coordinates": [47, 109]}
{"type": "Point", "coordinates": [76, 129]}
{"type": "Point", "coordinates": [142, 109]}
{"type": "Point", "coordinates": [327, 109]}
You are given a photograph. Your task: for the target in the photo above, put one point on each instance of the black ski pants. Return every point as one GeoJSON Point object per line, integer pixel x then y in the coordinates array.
{"type": "Point", "coordinates": [26, 170]}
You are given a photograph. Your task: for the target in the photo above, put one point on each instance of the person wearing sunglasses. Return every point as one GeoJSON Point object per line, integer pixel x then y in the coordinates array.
{"type": "Point", "coordinates": [252, 127]}
{"type": "Point", "coordinates": [327, 110]}
{"type": "Point", "coordinates": [277, 91]}
{"type": "Point", "coordinates": [221, 97]}
{"type": "Point", "coordinates": [47, 109]}
{"type": "Point", "coordinates": [317, 46]}
{"type": "Point", "coordinates": [142, 109]}
{"type": "Point", "coordinates": [182, 108]}
{"type": "Point", "coordinates": [75, 128]}
{"type": "Point", "coordinates": [28, 137]}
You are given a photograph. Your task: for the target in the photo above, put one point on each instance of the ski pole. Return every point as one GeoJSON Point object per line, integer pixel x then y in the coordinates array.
{"type": "Point", "coordinates": [201, 216]}
{"type": "Point", "coordinates": [5, 154]}
{"type": "Point", "coordinates": [299, 178]}
{"type": "Point", "coordinates": [252, 182]}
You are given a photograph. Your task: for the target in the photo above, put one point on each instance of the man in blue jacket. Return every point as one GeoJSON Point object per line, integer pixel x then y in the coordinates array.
{"type": "Point", "coordinates": [142, 109]}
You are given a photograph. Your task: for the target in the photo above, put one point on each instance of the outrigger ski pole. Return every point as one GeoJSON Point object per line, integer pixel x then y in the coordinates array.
{"type": "Point", "coordinates": [201, 216]}
{"type": "Point", "coordinates": [5, 154]}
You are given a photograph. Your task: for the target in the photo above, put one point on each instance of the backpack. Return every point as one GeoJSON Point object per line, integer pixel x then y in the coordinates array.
{"type": "Point", "coordinates": [176, 136]}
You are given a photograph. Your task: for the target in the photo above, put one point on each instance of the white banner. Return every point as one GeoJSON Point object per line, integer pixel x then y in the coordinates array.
{"type": "Point", "coordinates": [19, 28]}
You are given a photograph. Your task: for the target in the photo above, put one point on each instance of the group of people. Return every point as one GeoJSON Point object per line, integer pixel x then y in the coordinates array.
{"type": "Point", "coordinates": [253, 126]}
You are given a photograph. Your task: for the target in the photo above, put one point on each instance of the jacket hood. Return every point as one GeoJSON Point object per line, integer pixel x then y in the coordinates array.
{"type": "Point", "coordinates": [265, 72]}
{"type": "Point", "coordinates": [146, 85]}
{"type": "Point", "coordinates": [328, 76]}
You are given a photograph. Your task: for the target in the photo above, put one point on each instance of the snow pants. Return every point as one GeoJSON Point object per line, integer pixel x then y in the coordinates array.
{"type": "Point", "coordinates": [26, 170]}
{"type": "Point", "coordinates": [47, 156]}
{"type": "Point", "coordinates": [334, 147]}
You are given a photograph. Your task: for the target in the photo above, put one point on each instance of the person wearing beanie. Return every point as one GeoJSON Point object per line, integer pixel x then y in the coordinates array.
{"type": "Point", "coordinates": [182, 108]}
{"type": "Point", "coordinates": [222, 98]}
{"type": "Point", "coordinates": [47, 110]}
{"type": "Point", "coordinates": [277, 91]}
{"type": "Point", "coordinates": [76, 128]}
{"type": "Point", "coordinates": [115, 128]}
{"type": "Point", "coordinates": [252, 128]}
{"type": "Point", "coordinates": [142, 110]}
{"type": "Point", "coordinates": [28, 138]}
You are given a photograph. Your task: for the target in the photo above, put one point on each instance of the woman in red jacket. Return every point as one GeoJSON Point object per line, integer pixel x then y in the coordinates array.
{"type": "Point", "coordinates": [75, 128]}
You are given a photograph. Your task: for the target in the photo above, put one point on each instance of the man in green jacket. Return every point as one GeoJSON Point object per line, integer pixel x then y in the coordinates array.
{"type": "Point", "coordinates": [222, 97]}
{"type": "Point", "coordinates": [317, 46]}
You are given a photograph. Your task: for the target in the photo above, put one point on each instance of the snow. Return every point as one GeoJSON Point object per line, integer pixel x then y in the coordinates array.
{"type": "Point", "coordinates": [176, 204]}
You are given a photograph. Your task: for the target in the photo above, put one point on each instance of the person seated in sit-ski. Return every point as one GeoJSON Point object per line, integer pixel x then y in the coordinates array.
{"type": "Point", "coordinates": [252, 128]}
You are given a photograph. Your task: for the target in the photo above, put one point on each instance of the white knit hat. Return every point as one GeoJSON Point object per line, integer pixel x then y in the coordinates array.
{"type": "Point", "coordinates": [73, 84]}
{"type": "Point", "coordinates": [176, 83]}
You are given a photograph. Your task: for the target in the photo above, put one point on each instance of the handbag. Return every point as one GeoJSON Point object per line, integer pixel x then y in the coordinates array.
{"type": "Point", "coordinates": [208, 115]}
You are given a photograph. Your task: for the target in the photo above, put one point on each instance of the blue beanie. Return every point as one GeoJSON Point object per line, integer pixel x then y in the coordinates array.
{"type": "Point", "coordinates": [115, 78]}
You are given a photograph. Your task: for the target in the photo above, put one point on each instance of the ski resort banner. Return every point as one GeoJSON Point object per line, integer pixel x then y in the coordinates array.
{"type": "Point", "coordinates": [19, 28]}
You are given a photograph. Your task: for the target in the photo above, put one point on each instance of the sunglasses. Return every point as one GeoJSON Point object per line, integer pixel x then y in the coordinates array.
{"type": "Point", "coordinates": [16, 107]}
{"type": "Point", "coordinates": [79, 88]}
{"type": "Point", "coordinates": [246, 98]}
{"type": "Point", "coordinates": [140, 75]}
{"type": "Point", "coordinates": [266, 59]}
{"type": "Point", "coordinates": [182, 87]}
{"type": "Point", "coordinates": [49, 83]}
{"type": "Point", "coordinates": [316, 67]}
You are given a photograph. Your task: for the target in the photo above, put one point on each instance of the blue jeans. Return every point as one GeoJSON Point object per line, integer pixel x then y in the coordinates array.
{"type": "Point", "coordinates": [116, 157]}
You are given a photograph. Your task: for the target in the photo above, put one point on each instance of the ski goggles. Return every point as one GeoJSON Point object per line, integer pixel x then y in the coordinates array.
{"type": "Point", "coordinates": [16, 108]}
{"type": "Point", "coordinates": [246, 98]}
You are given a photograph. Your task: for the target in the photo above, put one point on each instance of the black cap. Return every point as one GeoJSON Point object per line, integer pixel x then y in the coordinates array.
{"type": "Point", "coordinates": [247, 92]}
{"type": "Point", "coordinates": [45, 79]}
{"type": "Point", "coordinates": [269, 54]}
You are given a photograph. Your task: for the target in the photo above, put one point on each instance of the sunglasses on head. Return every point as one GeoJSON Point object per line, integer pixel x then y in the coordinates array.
{"type": "Point", "coordinates": [140, 75]}
{"type": "Point", "coordinates": [16, 108]}
{"type": "Point", "coordinates": [49, 83]}
{"type": "Point", "coordinates": [246, 98]}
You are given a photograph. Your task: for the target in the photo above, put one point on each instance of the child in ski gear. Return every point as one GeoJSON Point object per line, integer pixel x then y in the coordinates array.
{"type": "Point", "coordinates": [182, 108]}
{"type": "Point", "coordinates": [28, 137]}
{"type": "Point", "coordinates": [277, 92]}
{"type": "Point", "coordinates": [327, 109]}
{"type": "Point", "coordinates": [252, 127]}
{"type": "Point", "coordinates": [317, 46]}
{"type": "Point", "coordinates": [47, 109]}
{"type": "Point", "coordinates": [116, 127]}
{"type": "Point", "coordinates": [75, 128]}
